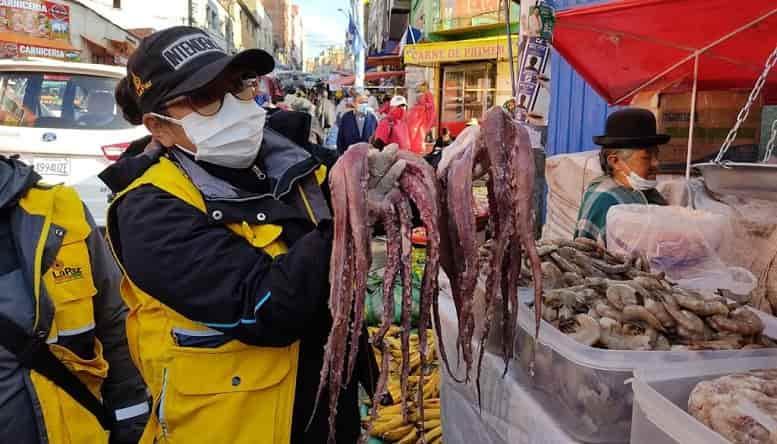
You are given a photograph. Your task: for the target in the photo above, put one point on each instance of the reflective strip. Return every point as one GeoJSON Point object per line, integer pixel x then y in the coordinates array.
{"type": "Point", "coordinates": [131, 411]}
{"type": "Point", "coordinates": [243, 321]}
{"type": "Point", "coordinates": [261, 302]}
{"type": "Point", "coordinates": [197, 333]}
{"type": "Point", "coordinates": [161, 408]}
{"type": "Point", "coordinates": [76, 331]}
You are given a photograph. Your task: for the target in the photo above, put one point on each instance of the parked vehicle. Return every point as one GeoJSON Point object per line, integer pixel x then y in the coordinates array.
{"type": "Point", "coordinates": [61, 118]}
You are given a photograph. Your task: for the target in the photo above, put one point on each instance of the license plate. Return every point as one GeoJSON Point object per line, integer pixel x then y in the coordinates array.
{"type": "Point", "coordinates": [52, 166]}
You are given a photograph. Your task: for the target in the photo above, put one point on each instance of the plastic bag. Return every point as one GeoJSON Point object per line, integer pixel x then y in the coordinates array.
{"type": "Point", "coordinates": [683, 243]}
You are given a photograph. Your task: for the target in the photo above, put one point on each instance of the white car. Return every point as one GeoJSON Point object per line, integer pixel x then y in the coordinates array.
{"type": "Point", "coordinates": [61, 118]}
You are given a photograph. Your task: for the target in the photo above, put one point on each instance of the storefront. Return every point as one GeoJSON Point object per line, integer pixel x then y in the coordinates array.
{"type": "Point", "coordinates": [469, 76]}
{"type": "Point", "coordinates": [35, 29]}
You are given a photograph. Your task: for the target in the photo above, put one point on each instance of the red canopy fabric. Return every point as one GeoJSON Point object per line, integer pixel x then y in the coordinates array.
{"type": "Point", "coordinates": [623, 46]}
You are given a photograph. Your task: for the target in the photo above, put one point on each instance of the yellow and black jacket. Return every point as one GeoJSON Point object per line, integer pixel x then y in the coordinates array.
{"type": "Point", "coordinates": [228, 291]}
{"type": "Point", "coordinates": [59, 283]}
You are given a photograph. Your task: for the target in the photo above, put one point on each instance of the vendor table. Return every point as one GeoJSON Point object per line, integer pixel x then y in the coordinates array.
{"type": "Point", "coordinates": [509, 413]}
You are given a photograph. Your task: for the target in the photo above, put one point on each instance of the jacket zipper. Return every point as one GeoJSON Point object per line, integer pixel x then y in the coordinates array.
{"type": "Point", "coordinates": [161, 407]}
{"type": "Point", "coordinates": [275, 195]}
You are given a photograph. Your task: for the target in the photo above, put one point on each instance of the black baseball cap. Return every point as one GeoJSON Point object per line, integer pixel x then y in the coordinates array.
{"type": "Point", "coordinates": [176, 61]}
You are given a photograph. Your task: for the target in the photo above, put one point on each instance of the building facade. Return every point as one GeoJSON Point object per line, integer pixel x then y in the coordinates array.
{"type": "Point", "coordinates": [279, 12]}
{"type": "Point", "coordinates": [297, 38]}
{"type": "Point", "coordinates": [329, 60]}
{"type": "Point", "coordinates": [227, 21]}
{"type": "Point", "coordinates": [264, 31]}
{"type": "Point", "coordinates": [464, 54]}
{"type": "Point", "coordinates": [66, 30]}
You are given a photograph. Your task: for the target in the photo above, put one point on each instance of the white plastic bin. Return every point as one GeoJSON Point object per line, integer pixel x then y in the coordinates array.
{"type": "Point", "coordinates": [661, 400]}
{"type": "Point", "coordinates": [586, 388]}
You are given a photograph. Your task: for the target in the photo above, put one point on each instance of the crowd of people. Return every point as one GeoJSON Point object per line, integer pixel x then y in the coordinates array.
{"type": "Point", "coordinates": [342, 118]}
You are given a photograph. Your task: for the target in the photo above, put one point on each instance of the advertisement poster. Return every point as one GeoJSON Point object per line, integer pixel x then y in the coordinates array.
{"type": "Point", "coordinates": [534, 62]}
{"type": "Point", "coordinates": [27, 25]}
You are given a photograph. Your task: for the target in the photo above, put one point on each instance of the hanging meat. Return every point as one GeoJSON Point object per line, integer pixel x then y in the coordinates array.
{"type": "Point", "coordinates": [355, 211]}
{"type": "Point", "coordinates": [501, 148]}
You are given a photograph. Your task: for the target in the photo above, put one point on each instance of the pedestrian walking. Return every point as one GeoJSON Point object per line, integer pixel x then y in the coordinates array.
{"type": "Point", "coordinates": [357, 125]}
{"type": "Point", "coordinates": [393, 128]}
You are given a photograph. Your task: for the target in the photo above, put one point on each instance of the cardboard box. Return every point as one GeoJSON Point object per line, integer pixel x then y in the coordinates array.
{"type": "Point", "coordinates": [716, 113]}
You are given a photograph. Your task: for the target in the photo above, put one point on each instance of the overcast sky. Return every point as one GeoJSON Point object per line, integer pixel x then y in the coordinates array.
{"type": "Point", "coordinates": [323, 24]}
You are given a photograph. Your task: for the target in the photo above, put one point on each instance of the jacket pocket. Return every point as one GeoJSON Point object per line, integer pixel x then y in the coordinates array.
{"type": "Point", "coordinates": [229, 394]}
{"type": "Point", "coordinates": [71, 288]}
{"type": "Point", "coordinates": [199, 338]}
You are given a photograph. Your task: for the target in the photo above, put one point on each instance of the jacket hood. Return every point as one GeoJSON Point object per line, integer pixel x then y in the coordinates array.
{"type": "Point", "coordinates": [16, 178]}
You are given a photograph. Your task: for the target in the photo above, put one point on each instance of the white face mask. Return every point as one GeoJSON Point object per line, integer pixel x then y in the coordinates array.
{"type": "Point", "coordinates": [639, 183]}
{"type": "Point", "coordinates": [230, 138]}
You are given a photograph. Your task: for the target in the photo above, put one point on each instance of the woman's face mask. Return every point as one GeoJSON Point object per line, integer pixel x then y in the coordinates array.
{"type": "Point", "coordinates": [397, 113]}
{"type": "Point", "coordinates": [230, 138]}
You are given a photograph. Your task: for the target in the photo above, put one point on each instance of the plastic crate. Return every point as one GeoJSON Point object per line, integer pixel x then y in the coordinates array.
{"type": "Point", "coordinates": [661, 400]}
{"type": "Point", "coordinates": [585, 387]}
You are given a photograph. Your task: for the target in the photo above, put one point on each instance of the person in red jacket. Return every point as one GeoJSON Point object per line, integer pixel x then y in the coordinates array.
{"type": "Point", "coordinates": [421, 118]}
{"type": "Point", "coordinates": [393, 127]}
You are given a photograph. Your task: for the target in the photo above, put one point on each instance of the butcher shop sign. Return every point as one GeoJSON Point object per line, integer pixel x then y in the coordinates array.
{"type": "Point", "coordinates": [491, 48]}
{"type": "Point", "coordinates": [35, 28]}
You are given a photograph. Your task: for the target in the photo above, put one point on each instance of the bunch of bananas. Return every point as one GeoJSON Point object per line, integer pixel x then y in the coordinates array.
{"type": "Point", "coordinates": [390, 425]}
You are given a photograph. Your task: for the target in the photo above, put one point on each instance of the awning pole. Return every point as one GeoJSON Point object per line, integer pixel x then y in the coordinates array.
{"type": "Point", "coordinates": [689, 155]}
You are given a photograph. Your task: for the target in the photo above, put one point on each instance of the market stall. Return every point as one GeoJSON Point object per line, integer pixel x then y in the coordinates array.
{"type": "Point", "coordinates": [538, 341]}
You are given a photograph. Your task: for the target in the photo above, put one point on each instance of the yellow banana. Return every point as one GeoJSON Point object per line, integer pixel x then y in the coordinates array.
{"type": "Point", "coordinates": [433, 434]}
{"type": "Point", "coordinates": [381, 427]}
{"type": "Point", "coordinates": [431, 413]}
{"type": "Point", "coordinates": [397, 433]}
{"type": "Point", "coordinates": [432, 403]}
{"type": "Point", "coordinates": [389, 410]}
{"type": "Point", "coordinates": [409, 438]}
{"type": "Point", "coordinates": [431, 424]}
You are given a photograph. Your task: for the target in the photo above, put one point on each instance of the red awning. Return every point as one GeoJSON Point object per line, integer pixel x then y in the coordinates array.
{"type": "Point", "coordinates": [390, 60]}
{"type": "Point", "coordinates": [625, 46]}
{"type": "Point", "coordinates": [370, 76]}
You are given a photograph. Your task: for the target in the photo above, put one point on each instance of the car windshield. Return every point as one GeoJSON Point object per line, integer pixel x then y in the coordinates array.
{"type": "Point", "coordinates": [64, 101]}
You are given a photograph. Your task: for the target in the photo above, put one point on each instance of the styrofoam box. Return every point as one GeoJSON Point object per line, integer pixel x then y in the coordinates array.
{"type": "Point", "coordinates": [585, 387]}
{"type": "Point", "coordinates": [661, 400]}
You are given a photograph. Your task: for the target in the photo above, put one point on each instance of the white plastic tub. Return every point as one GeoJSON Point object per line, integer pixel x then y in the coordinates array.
{"type": "Point", "coordinates": [586, 388]}
{"type": "Point", "coordinates": [661, 400]}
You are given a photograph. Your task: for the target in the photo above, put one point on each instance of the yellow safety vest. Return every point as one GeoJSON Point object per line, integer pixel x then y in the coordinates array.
{"type": "Point", "coordinates": [68, 282]}
{"type": "Point", "coordinates": [235, 393]}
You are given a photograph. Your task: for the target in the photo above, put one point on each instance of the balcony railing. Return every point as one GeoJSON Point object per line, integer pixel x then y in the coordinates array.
{"type": "Point", "coordinates": [447, 24]}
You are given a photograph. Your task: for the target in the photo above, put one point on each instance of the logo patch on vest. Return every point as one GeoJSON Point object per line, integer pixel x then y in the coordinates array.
{"type": "Point", "coordinates": [62, 274]}
{"type": "Point", "coordinates": [188, 48]}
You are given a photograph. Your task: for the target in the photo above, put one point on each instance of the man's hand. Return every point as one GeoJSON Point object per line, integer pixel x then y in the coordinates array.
{"type": "Point", "coordinates": [385, 170]}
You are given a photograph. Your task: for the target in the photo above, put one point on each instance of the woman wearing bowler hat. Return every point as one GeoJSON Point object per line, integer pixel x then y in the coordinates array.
{"type": "Point", "coordinates": [629, 159]}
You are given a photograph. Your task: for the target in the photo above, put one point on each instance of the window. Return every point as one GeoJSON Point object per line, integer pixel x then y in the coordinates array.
{"type": "Point", "coordinates": [117, 4]}
{"type": "Point", "coordinates": [69, 101]}
{"type": "Point", "coordinates": [229, 33]}
{"type": "Point", "coordinates": [469, 90]}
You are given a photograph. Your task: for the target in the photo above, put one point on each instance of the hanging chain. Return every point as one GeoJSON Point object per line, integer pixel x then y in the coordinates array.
{"type": "Point", "coordinates": [770, 144]}
{"type": "Point", "coordinates": [745, 111]}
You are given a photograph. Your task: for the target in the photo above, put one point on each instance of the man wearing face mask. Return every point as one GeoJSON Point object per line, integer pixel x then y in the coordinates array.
{"type": "Point", "coordinates": [629, 159]}
{"type": "Point", "coordinates": [223, 233]}
{"type": "Point", "coordinates": [357, 125]}
{"type": "Point", "coordinates": [393, 127]}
